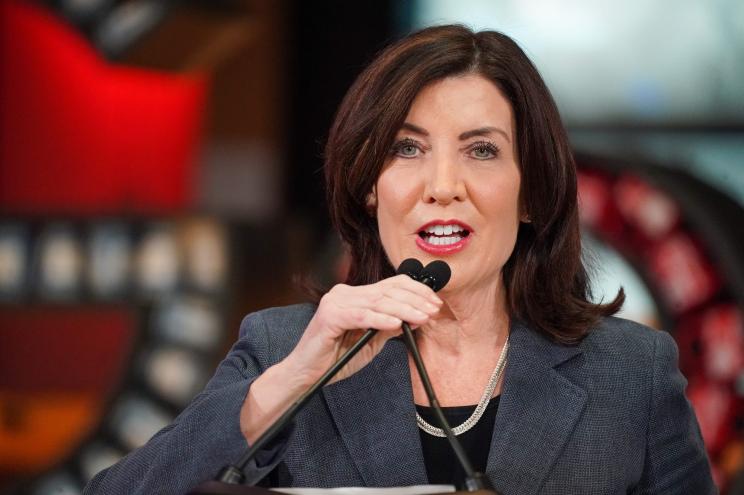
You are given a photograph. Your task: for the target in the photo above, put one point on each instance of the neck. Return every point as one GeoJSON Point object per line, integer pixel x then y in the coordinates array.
{"type": "Point", "coordinates": [468, 323]}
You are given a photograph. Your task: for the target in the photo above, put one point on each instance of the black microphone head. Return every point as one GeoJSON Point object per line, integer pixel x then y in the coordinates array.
{"type": "Point", "coordinates": [411, 267]}
{"type": "Point", "coordinates": [436, 275]}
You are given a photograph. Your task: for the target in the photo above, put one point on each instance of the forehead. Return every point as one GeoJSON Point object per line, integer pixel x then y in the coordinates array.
{"type": "Point", "coordinates": [463, 102]}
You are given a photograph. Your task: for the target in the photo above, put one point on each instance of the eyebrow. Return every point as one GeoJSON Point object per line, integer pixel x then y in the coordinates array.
{"type": "Point", "coordinates": [481, 131]}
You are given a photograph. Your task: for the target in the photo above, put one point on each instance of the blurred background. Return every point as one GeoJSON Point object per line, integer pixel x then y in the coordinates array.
{"type": "Point", "coordinates": [160, 178]}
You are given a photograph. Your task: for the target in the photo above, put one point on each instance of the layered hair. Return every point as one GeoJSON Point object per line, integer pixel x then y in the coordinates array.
{"type": "Point", "coordinates": [545, 279]}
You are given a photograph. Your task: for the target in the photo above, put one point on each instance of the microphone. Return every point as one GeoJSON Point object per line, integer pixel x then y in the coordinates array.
{"type": "Point", "coordinates": [436, 275]}
{"type": "Point", "coordinates": [233, 474]}
{"type": "Point", "coordinates": [411, 267]}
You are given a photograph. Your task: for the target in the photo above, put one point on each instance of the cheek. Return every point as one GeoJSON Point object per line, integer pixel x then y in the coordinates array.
{"type": "Point", "coordinates": [498, 202]}
{"type": "Point", "coordinates": [396, 198]}
{"type": "Point", "coordinates": [397, 193]}
{"type": "Point", "coordinates": [497, 194]}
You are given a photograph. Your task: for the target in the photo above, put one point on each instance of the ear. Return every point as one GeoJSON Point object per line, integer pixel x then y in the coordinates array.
{"type": "Point", "coordinates": [371, 202]}
{"type": "Point", "coordinates": [524, 217]}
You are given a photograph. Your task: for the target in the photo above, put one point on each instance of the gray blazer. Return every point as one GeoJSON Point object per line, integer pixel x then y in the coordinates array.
{"type": "Point", "coordinates": [607, 416]}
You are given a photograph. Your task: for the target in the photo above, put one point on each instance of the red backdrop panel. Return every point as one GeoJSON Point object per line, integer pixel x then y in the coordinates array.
{"type": "Point", "coordinates": [81, 136]}
{"type": "Point", "coordinates": [64, 349]}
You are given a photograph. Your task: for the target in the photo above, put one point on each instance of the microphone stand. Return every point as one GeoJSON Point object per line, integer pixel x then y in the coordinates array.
{"type": "Point", "coordinates": [474, 481]}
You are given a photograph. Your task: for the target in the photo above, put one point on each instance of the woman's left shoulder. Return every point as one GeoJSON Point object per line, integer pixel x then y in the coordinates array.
{"type": "Point", "coordinates": [623, 340]}
{"type": "Point", "coordinates": [635, 368]}
{"type": "Point", "coordinates": [623, 332]}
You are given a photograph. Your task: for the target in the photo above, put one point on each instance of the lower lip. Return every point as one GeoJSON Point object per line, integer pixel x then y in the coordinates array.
{"type": "Point", "coordinates": [443, 249]}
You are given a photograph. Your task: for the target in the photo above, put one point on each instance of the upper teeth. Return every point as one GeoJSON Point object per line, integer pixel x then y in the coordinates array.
{"type": "Point", "coordinates": [443, 229]}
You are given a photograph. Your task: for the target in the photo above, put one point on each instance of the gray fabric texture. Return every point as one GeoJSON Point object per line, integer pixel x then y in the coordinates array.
{"type": "Point", "coordinates": [607, 416]}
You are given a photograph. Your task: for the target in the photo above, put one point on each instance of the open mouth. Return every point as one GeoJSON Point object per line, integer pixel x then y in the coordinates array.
{"type": "Point", "coordinates": [444, 234]}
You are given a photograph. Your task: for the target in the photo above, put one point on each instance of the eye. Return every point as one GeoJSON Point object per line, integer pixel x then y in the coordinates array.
{"type": "Point", "coordinates": [483, 150]}
{"type": "Point", "coordinates": [406, 148]}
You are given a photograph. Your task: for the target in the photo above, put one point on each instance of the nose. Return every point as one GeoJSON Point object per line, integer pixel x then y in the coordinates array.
{"type": "Point", "coordinates": [444, 183]}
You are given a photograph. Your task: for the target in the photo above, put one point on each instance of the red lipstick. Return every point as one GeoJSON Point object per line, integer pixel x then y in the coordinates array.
{"type": "Point", "coordinates": [422, 240]}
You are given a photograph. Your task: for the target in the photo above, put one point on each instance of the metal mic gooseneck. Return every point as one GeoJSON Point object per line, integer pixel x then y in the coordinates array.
{"type": "Point", "coordinates": [436, 275]}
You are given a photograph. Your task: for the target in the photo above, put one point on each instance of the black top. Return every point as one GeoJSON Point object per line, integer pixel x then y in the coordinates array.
{"type": "Point", "coordinates": [442, 467]}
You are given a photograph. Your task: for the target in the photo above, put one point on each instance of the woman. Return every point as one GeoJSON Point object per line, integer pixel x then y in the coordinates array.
{"type": "Point", "coordinates": [448, 146]}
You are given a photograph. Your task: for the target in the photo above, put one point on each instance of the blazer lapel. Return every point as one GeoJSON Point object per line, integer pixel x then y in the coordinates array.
{"type": "Point", "coordinates": [374, 413]}
{"type": "Point", "coordinates": [538, 410]}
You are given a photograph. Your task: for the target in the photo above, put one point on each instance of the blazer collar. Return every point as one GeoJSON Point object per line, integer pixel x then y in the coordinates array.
{"type": "Point", "coordinates": [374, 412]}
{"type": "Point", "coordinates": [538, 411]}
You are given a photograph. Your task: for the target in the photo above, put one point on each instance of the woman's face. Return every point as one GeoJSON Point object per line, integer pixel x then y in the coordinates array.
{"type": "Point", "coordinates": [450, 187]}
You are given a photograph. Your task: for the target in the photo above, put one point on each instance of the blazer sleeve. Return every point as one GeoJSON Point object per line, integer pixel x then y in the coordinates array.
{"type": "Point", "coordinates": [206, 435]}
{"type": "Point", "coordinates": [676, 461]}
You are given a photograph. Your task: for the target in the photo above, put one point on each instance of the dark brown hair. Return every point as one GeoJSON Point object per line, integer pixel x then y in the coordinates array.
{"type": "Point", "coordinates": [545, 279]}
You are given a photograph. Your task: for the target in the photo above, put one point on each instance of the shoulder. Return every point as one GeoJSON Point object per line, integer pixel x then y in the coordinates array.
{"type": "Point", "coordinates": [292, 318]}
{"type": "Point", "coordinates": [644, 367]}
{"type": "Point", "coordinates": [275, 331]}
{"type": "Point", "coordinates": [618, 338]}
{"type": "Point", "coordinates": [638, 348]}
{"type": "Point", "coordinates": [626, 354]}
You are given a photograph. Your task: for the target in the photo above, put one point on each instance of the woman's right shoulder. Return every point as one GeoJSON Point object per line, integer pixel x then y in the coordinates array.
{"type": "Point", "coordinates": [278, 328]}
